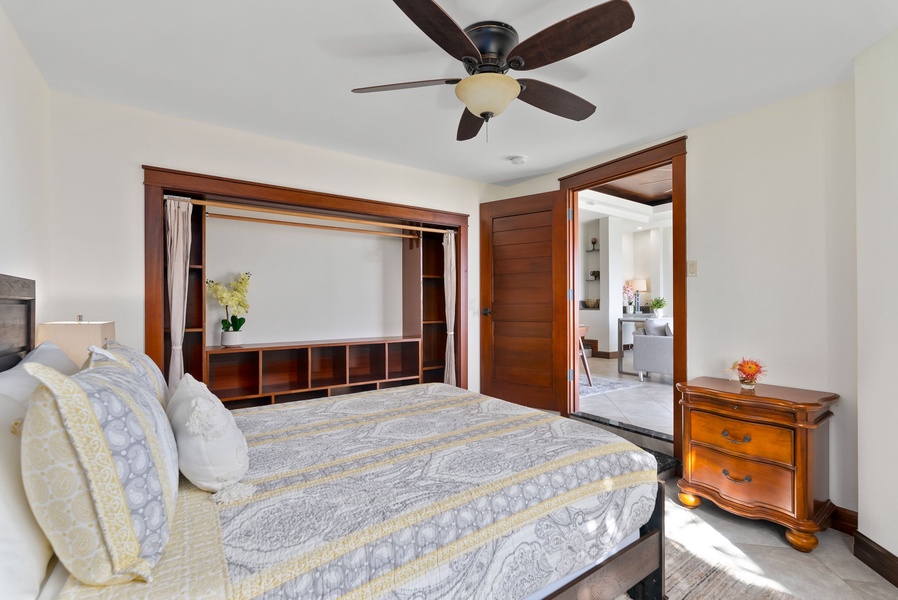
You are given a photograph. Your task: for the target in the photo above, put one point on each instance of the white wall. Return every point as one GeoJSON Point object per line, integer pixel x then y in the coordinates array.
{"type": "Point", "coordinates": [770, 220]}
{"type": "Point", "coordinates": [96, 260]}
{"type": "Point", "coordinates": [876, 97]}
{"type": "Point", "coordinates": [306, 284]}
{"type": "Point", "coordinates": [24, 162]}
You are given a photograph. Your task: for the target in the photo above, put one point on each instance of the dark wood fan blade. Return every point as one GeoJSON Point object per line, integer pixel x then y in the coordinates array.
{"type": "Point", "coordinates": [438, 26]}
{"type": "Point", "coordinates": [555, 100]}
{"type": "Point", "coordinates": [405, 86]}
{"type": "Point", "coordinates": [573, 35]}
{"type": "Point", "coordinates": [469, 126]}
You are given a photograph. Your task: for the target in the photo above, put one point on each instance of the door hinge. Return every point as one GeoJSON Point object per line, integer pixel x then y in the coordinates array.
{"type": "Point", "coordinates": [570, 214]}
{"type": "Point", "coordinates": [570, 294]}
{"type": "Point", "coordinates": [570, 375]}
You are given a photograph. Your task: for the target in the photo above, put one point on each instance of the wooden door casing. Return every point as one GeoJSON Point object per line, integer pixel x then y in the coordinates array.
{"type": "Point", "coordinates": [524, 338]}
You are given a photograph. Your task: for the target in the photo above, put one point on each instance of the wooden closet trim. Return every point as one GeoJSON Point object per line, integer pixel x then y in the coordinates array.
{"type": "Point", "coordinates": [266, 194]}
{"type": "Point", "coordinates": [159, 181]}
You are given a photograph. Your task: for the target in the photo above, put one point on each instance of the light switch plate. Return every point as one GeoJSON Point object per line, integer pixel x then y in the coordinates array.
{"type": "Point", "coordinates": [691, 268]}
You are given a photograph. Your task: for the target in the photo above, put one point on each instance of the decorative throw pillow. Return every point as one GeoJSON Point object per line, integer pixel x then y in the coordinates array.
{"type": "Point", "coordinates": [19, 385]}
{"type": "Point", "coordinates": [99, 467]}
{"type": "Point", "coordinates": [24, 549]}
{"type": "Point", "coordinates": [211, 448]}
{"type": "Point", "coordinates": [653, 327]}
{"type": "Point", "coordinates": [135, 360]}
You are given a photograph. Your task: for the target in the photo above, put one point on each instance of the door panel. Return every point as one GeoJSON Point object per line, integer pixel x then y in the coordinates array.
{"type": "Point", "coordinates": [524, 285]}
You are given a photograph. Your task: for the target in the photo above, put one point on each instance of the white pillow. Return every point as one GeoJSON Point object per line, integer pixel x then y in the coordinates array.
{"type": "Point", "coordinates": [24, 549]}
{"type": "Point", "coordinates": [211, 448]}
{"type": "Point", "coordinates": [19, 385]}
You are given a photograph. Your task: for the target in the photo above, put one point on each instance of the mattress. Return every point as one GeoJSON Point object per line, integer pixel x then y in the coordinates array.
{"type": "Point", "coordinates": [425, 491]}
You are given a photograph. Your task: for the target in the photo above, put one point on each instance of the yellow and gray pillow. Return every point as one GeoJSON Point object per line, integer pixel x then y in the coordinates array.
{"type": "Point", "coordinates": [135, 360]}
{"type": "Point", "coordinates": [100, 469]}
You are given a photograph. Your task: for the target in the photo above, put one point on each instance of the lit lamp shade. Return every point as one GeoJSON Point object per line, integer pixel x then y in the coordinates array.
{"type": "Point", "coordinates": [487, 93]}
{"type": "Point", "coordinates": [639, 285]}
{"type": "Point", "coordinates": [74, 337]}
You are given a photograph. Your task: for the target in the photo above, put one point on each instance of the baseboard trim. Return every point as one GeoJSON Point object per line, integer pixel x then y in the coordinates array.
{"type": "Point", "coordinates": [603, 354]}
{"type": "Point", "coordinates": [876, 557]}
{"type": "Point", "coordinates": [844, 520]}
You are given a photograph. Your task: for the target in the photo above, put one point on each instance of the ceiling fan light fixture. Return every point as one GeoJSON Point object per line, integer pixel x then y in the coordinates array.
{"type": "Point", "coordinates": [487, 94]}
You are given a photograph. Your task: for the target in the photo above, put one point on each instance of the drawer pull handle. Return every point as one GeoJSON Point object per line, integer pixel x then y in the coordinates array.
{"type": "Point", "coordinates": [734, 480]}
{"type": "Point", "coordinates": [726, 435]}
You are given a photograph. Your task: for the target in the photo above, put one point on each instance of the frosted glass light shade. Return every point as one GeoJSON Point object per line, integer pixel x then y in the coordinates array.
{"type": "Point", "coordinates": [487, 93]}
{"type": "Point", "coordinates": [74, 337]}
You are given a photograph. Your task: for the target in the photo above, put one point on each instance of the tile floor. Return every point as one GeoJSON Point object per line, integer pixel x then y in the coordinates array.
{"type": "Point", "coordinates": [757, 552]}
{"type": "Point", "coordinates": [650, 405]}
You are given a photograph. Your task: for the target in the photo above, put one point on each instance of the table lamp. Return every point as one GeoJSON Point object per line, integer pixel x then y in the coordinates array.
{"type": "Point", "coordinates": [639, 285]}
{"type": "Point", "coordinates": [74, 337]}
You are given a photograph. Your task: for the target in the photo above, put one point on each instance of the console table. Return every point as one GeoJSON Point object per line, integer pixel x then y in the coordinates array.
{"type": "Point", "coordinates": [761, 453]}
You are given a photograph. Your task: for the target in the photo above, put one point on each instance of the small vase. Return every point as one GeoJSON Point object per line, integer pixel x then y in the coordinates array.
{"type": "Point", "coordinates": [631, 309]}
{"type": "Point", "coordinates": [230, 339]}
{"type": "Point", "coordinates": [747, 384]}
{"type": "Point", "coordinates": [659, 312]}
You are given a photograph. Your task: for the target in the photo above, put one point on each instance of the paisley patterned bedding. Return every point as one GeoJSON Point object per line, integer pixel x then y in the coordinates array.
{"type": "Point", "coordinates": [425, 491]}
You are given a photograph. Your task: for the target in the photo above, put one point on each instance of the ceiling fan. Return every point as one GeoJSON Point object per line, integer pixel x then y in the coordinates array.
{"type": "Point", "coordinates": [488, 49]}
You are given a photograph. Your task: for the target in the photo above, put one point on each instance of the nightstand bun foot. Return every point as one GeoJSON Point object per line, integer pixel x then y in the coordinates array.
{"type": "Point", "coordinates": [688, 500]}
{"type": "Point", "coordinates": [805, 542]}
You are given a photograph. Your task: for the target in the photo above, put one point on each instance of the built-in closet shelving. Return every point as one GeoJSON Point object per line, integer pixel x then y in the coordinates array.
{"type": "Point", "coordinates": [282, 372]}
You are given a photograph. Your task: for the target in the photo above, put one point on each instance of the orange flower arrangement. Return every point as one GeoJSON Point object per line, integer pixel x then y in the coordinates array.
{"type": "Point", "coordinates": [749, 370]}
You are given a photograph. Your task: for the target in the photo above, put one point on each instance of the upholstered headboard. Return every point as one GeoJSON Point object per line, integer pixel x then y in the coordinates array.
{"type": "Point", "coordinates": [16, 319]}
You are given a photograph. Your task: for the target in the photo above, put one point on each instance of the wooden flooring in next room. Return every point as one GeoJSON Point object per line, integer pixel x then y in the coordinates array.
{"type": "Point", "coordinates": [648, 405]}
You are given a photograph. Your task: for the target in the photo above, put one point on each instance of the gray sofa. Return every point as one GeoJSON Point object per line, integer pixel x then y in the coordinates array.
{"type": "Point", "coordinates": [653, 348]}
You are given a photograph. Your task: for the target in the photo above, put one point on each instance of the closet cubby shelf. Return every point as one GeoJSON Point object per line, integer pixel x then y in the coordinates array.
{"type": "Point", "coordinates": [256, 374]}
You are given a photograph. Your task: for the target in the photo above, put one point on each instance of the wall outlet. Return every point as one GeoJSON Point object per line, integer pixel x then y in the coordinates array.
{"type": "Point", "coordinates": [691, 268]}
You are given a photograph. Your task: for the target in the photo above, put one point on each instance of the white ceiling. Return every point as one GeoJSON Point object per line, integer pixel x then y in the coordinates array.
{"type": "Point", "coordinates": [284, 69]}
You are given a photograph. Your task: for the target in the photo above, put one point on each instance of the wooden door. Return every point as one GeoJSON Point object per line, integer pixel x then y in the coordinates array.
{"type": "Point", "coordinates": [525, 311]}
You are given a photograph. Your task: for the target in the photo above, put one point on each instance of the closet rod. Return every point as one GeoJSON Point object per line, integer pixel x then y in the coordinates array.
{"type": "Point", "coordinates": [310, 225]}
{"type": "Point", "coordinates": [290, 213]}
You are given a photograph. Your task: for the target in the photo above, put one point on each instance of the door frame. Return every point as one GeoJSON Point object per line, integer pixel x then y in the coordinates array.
{"type": "Point", "coordinates": [672, 152]}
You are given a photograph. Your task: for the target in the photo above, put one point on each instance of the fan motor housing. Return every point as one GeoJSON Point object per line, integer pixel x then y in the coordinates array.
{"type": "Point", "coordinates": [495, 40]}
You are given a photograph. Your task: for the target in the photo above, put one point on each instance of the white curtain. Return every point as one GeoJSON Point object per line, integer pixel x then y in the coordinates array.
{"type": "Point", "coordinates": [177, 235]}
{"type": "Point", "coordinates": [450, 282]}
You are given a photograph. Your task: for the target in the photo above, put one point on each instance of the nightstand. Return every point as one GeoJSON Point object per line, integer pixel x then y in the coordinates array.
{"type": "Point", "coordinates": [761, 454]}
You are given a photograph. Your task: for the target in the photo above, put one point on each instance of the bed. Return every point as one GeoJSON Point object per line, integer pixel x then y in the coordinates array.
{"type": "Point", "coordinates": [426, 491]}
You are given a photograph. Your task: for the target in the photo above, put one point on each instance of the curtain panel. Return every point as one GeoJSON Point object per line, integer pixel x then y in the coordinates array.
{"type": "Point", "coordinates": [177, 235]}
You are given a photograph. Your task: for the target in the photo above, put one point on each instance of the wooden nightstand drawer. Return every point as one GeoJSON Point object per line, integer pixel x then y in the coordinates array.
{"type": "Point", "coordinates": [743, 480]}
{"type": "Point", "coordinates": [744, 437]}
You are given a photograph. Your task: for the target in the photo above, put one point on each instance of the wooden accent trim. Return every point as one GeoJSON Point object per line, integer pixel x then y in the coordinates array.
{"type": "Point", "coordinates": [672, 152]}
{"type": "Point", "coordinates": [211, 185]}
{"type": "Point", "coordinates": [679, 286]}
{"type": "Point", "coordinates": [625, 165]}
{"type": "Point", "coordinates": [154, 273]}
{"type": "Point", "coordinates": [876, 557]}
{"type": "Point", "coordinates": [844, 520]}
{"type": "Point", "coordinates": [16, 295]}
{"type": "Point", "coordinates": [159, 181]}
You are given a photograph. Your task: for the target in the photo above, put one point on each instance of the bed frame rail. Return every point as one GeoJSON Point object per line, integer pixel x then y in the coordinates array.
{"type": "Point", "coordinates": [637, 570]}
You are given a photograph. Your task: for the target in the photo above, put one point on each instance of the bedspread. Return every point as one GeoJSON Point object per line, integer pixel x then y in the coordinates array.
{"type": "Point", "coordinates": [425, 491]}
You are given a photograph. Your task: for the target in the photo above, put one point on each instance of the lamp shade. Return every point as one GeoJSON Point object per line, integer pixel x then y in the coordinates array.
{"type": "Point", "coordinates": [639, 285]}
{"type": "Point", "coordinates": [487, 94]}
{"type": "Point", "coordinates": [74, 337]}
